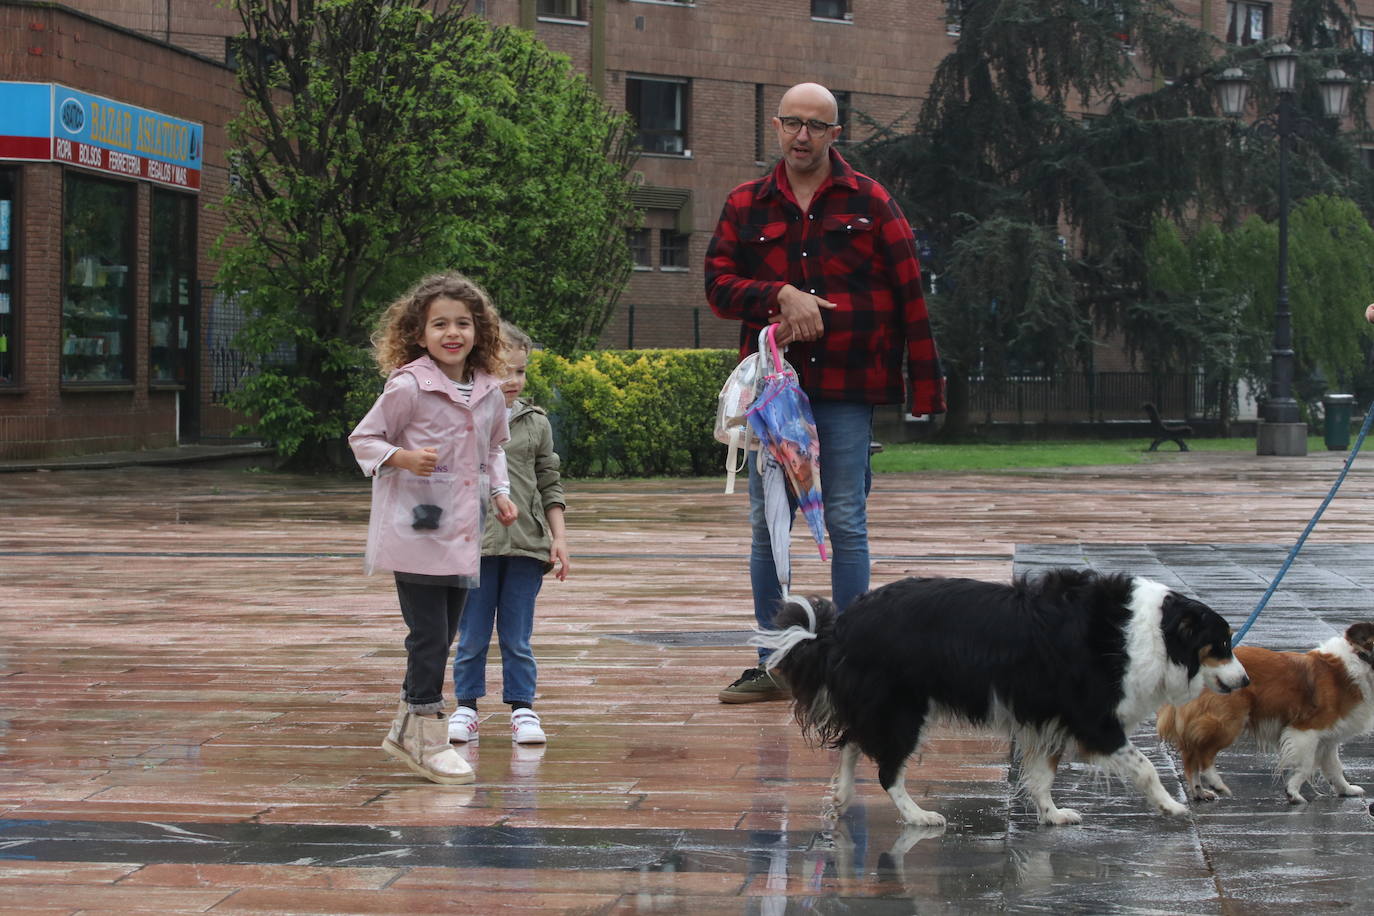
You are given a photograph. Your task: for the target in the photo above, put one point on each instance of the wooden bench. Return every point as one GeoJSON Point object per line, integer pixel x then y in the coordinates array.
{"type": "Point", "coordinates": [1165, 431]}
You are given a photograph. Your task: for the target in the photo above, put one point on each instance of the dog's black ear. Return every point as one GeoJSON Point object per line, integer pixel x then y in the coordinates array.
{"type": "Point", "coordinates": [1186, 624]}
{"type": "Point", "coordinates": [1361, 635]}
{"type": "Point", "coordinates": [1190, 626]}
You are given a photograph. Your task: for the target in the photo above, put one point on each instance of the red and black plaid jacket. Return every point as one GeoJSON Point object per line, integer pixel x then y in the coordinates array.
{"type": "Point", "coordinates": [853, 248]}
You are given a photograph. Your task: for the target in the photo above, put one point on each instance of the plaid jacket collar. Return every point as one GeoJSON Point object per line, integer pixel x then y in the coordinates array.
{"type": "Point", "coordinates": [841, 173]}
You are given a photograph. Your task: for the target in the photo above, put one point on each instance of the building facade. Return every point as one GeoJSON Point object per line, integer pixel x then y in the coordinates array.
{"type": "Point", "coordinates": [112, 155]}
{"type": "Point", "coordinates": [111, 145]}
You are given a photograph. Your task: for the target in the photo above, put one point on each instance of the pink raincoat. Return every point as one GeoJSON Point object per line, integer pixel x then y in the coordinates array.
{"type": "Point", "coordinates": [431, 525]}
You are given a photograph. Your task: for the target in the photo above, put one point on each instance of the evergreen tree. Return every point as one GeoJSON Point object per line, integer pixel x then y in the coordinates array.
{"type": "Point", "coordinates": [1081, 119]}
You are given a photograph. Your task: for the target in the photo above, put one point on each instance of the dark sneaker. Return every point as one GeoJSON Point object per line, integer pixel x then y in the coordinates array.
{"type": "Point", "coordinates": [756, 686]}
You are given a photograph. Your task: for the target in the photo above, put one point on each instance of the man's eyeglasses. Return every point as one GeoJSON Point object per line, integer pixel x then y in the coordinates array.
{"type": "Point", "coordinates": [794, 125]}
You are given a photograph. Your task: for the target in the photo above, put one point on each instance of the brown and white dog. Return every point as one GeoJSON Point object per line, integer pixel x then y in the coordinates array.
{"type": "Point", "coordinates": [1304, 705]}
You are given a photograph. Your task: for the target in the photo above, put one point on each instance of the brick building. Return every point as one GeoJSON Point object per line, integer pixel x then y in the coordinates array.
{"type": "Point", "coordinates": [702, 79]}
{"type": "Point", "coordinates": [111, 143]}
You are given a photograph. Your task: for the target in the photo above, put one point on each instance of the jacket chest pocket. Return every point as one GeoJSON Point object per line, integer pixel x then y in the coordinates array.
{"type": "Point", "coordinates": [849, 241]}
{"type": "Point", "coordinates": [765, 246]}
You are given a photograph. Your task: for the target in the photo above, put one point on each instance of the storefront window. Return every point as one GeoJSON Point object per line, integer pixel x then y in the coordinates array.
{"type": "Point", "coordinates": [9, 230]}
{"type": "Point", "coordinates": [98, 287]}
{"type": "Point", "coordinates": [172, 280]}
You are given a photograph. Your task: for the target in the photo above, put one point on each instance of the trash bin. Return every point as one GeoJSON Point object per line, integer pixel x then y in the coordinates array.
{"type": "Point", "coordinates": [1339, 408]}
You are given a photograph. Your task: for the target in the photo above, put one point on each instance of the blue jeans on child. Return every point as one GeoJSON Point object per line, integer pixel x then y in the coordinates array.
{"type": "Point", "coordinates": [505, 599]}
{"type": "Point", "coordinates": [845, 431]}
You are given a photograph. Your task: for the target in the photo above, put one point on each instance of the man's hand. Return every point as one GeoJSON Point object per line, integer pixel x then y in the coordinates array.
{"type": "Point", "coordinates": [801, 315]}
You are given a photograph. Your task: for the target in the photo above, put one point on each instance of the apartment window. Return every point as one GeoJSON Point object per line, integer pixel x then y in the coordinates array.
{"type": "Point", "coordinates": [97, 280]}
{"type": "Point", "coordinates": [1112, 8]}
{"type": "Point", "coordinates": [1367, 156]}
{"type": "Point", "coordinates": [639, 240]}
{"type": "Point", "coordinates": [237, 49]}
{"type": "Point", "coordinates": [1246, 23]}
{"type": "Point", "coordinates": [672, 249]}
{"type": "Point", "coordinates": [171, 282]}
{"type": "Point", "coordinates": [559, 9]}
{"type": "Point", "coordinates": [9, 305]}
{"type": "Point", "coordinates": [954, 17]}
{"type": "Point", "coordinates": [659, 108]}
{"type": "Point", "coordinates": [830, 9]}
{"type": "Point", "coordinates": [1364, 39]}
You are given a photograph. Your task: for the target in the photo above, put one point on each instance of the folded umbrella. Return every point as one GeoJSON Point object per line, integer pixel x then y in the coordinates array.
{"type": "Point", "coordinates": [781, 419]}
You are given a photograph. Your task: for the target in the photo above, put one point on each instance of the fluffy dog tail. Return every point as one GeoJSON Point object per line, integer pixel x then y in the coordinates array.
{"type": "Point", "coordinates": [800, 645]}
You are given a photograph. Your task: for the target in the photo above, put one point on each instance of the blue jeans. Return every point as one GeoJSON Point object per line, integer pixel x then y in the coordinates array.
{"type": "Point", "coordinates": [845, 431]}
{"type": "Point", "coordinates": [505, 598]}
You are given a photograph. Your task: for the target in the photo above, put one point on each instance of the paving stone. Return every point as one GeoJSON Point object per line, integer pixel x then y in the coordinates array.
{"type": "Point", "coordinates": [195, 677]}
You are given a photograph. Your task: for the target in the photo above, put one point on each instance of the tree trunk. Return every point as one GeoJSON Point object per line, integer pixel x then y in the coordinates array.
{"type": "Point", "coordinates": [956, 407]}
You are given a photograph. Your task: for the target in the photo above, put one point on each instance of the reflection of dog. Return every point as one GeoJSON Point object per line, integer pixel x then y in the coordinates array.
{"type": "Point", "coordinates": [1302, 704]}
{"type": "Point", "coordinates": [1072, 659]}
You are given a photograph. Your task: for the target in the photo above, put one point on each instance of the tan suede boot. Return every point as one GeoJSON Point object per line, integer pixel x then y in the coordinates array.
{"type": "Point", "coordinates": [392, 742]}
{"type": "Point", "coordinates": [425, 749]}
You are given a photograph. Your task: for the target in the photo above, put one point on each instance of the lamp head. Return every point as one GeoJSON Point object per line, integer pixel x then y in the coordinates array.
{"type": "Point", "coordinates": [1232, 88]}
{"type": "Point", "coordinates": [1283, 67]}
{"type": "Point", "coordinates": [1335, 86]}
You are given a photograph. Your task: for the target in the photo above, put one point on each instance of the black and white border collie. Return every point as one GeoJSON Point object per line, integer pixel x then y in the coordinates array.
{"type": "Point", "coordinates": [1070, 661]}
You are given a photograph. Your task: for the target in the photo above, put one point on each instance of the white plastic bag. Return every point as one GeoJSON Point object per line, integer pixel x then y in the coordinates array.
{"type": "Point", "coordinates": [737, 395]}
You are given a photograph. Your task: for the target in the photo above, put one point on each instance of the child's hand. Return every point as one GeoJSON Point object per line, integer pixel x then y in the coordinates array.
{"type": "Point", "coordinates": [420, 462]}
{"type": "Point", "coordinates": [558, 556]}
{"type": "Point", "coordinates": [506, 513]}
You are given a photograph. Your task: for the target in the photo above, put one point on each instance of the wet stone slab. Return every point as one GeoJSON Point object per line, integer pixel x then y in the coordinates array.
{"type": "Point", "coordinates": [194, 678]}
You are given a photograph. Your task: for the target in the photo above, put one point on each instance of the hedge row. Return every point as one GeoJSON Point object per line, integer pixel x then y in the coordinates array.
{"type": "Point", "coordinates": [633, 413]}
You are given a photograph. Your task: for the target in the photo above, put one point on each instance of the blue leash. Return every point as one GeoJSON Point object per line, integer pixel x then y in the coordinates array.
{"type": "Point", "coordinates": [1364, 431]}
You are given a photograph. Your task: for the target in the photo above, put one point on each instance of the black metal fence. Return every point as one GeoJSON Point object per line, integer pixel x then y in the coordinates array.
{"type": "Point", "coordinates": [1092, 397]}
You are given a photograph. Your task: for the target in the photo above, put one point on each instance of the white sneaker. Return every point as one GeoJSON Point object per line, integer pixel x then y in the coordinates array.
{"type": "Point", "coordinates": [524, 727]}
{"type": "Point", "coordinates": [462, 725]}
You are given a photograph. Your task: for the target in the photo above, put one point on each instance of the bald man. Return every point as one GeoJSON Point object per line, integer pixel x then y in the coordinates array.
{"type": "Point", "coordinates": [825, 253]}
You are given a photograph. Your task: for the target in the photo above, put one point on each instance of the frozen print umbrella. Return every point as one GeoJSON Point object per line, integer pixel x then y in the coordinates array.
{"type": "Point", "coordinates": [789, 458]}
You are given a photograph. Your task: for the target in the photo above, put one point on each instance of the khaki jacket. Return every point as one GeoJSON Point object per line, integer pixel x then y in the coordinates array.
{"type": "Point", "coordinates": [535, 485]}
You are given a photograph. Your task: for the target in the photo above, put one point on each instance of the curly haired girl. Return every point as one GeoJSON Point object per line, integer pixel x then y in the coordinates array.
{"type": "Point", "coordinates": [432, 446]}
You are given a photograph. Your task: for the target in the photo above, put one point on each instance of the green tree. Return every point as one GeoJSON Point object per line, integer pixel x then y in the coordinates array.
{"type": "Point", "coordinates": [1211, 299]}
{"type": "Point", "coordinates": [1086, 119]}
{"type": "Point", "coordinates": [1331, 266]}
{"type": "Point", "coordinates": [1197, 311]}
{"type": "Point", "coordinates": [382, 139]}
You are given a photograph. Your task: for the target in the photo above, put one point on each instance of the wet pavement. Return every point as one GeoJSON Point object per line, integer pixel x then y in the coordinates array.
{"type": "Point", "coordinates": [195, 675]}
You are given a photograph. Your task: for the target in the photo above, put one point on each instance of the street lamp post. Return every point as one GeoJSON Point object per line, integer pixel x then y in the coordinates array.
{"type": "Point", "coordinates": [1281, 431]}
